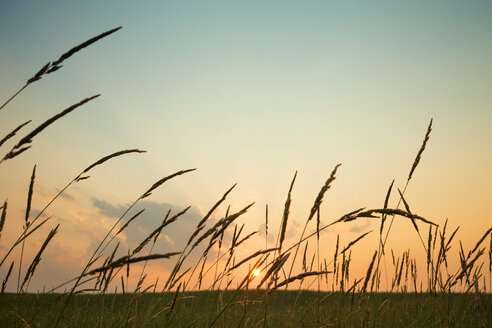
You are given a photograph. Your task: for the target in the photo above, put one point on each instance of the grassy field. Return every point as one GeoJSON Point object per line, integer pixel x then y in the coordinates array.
{"type": "Point", "coordinates": [227, 309]}
{"type": "Point", "coordinates": [446, 298]}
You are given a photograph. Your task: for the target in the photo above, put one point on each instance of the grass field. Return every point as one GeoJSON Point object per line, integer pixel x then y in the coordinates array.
{"type": "Point", "coordinates": [282, 309]}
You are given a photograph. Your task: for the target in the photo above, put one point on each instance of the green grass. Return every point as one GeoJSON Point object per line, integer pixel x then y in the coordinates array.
{"type": "Point", "coordinates": [284, 309]}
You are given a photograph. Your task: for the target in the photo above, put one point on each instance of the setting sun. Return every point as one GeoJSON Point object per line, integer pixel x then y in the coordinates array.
{"type": "Point", "coordinates": [256, 272]}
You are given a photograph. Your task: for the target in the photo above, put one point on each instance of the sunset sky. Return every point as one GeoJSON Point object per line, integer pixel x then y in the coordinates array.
{"type": "Point", "coordinates": [248, 92]}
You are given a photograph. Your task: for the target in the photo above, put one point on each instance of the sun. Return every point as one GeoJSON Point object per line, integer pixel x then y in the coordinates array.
{"type": "Point", "coordinates": [256, 272]}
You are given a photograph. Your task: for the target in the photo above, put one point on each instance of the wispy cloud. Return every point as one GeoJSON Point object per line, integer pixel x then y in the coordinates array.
{"type": "Point", "coordinates": [360, 226]}
{"type": "Point", "coordinates": [176, 234]}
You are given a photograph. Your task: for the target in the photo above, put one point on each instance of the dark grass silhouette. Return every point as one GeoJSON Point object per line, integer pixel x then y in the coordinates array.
{"type": "Point", "coordinates": [225, 291]}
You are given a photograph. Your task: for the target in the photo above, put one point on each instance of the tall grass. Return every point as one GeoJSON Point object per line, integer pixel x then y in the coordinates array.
{"type": "Point", "coordinates": [225, 282]}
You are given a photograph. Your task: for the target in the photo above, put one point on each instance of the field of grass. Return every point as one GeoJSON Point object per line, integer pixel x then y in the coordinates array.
{"type": "Point", "coordinates": [441, 298]}
{"type": "Point", "coordinates": [229, 309]}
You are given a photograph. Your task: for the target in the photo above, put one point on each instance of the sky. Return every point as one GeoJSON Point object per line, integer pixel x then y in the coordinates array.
{"type": "Point", "coordinates": [249, 93]}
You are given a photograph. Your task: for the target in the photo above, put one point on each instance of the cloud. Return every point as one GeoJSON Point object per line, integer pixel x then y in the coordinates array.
{"type": "Point", "coordinates": [35, 212]}
{"type": "Point", "coordinates": [360, 226]}
{"type": "Point", "coordinates": [261, 234]}
{"type": "Point", "coordinates": [173, 237]}
{"type": "Point", "coordinates": [107, 209]}
{"type": "Point", "coordinates": [48, 195]}
{"type": "Point", "coordinates": [60, 263]}
{"type": "Point", "coordinates": [82, 230]}
{"type": "Point", "coordinates": [66, 196]}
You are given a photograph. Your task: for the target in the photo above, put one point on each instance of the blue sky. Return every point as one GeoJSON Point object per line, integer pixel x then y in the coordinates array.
{"type": "Point", "coordinates": [252, 91]}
